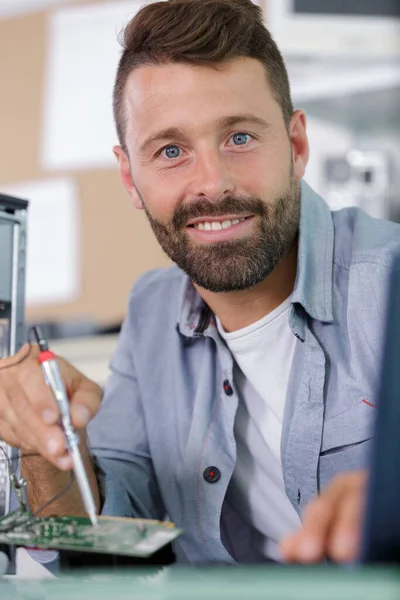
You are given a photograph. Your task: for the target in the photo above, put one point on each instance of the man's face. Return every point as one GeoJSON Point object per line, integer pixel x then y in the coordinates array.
{"type": "Point", "coordinates": [212, 164]}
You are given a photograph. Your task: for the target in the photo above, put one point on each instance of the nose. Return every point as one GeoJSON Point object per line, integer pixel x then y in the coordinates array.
{"type": "Point", "coordinates": [212, 179]}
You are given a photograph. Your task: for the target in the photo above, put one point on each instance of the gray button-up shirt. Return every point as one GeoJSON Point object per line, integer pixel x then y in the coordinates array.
{"type": "Point", "coordinates": [166, 416]}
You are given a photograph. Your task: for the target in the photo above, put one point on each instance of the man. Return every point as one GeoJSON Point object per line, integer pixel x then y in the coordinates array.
{"type": "Point", "coordinates": [243, 387]}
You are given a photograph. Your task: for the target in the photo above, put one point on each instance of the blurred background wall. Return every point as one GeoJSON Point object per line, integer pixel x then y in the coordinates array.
{"type": "Point", "coordinates": [86, 243]}
{"type": "Point", "coordinates": [110, 244]}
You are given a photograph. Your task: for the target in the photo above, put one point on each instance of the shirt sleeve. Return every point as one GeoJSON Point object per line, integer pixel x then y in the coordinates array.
{"type": "Point", "coordinates": [118, 442]}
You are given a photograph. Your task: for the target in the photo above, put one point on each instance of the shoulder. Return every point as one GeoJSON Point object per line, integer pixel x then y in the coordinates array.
{"type": "Point", "coordinates": [157, 294]}
{"type": "Point", "coordinates": [153, 284]}
{"type": "Point", "coordinates": [363, 259]}
{"type": "Point", "coordinates": [153, 305]}
{"type": "Point", "coordinates": [363, 240]}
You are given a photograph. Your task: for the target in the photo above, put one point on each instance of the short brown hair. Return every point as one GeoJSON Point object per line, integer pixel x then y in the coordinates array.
{"type": "Point", "coordinates": [201, 32]}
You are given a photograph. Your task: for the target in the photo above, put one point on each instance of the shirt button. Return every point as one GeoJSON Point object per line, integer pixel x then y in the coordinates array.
{"type": "Point", "coordinates": [211, 474]}
{"type": "Point", "coordinates": [228, 388]}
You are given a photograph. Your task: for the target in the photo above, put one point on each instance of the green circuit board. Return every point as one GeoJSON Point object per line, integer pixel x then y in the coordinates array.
{"type": "Point", "coordinates": [112, 535]}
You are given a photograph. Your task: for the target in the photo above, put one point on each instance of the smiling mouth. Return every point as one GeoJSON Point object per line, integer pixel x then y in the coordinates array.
{"type": "Point", "coordinates": [211, 225]}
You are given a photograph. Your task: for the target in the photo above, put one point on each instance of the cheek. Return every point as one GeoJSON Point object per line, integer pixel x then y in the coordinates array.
{"type": "Point", "coordinates": [265, 172]}
{"type": "Point", "coordinates": [158, 195]}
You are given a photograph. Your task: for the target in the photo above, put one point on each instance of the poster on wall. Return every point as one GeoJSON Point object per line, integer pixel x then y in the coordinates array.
{"type": "Point", "coordinates": [53, 240]}
{"type": "Point", "coordinates": [81, 61]}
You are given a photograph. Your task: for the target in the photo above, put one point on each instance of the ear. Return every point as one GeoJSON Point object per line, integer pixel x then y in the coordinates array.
{"type": "Point", "coordinates": [126, 177]}
{"type": "Point", "coordinates": [298, 137]}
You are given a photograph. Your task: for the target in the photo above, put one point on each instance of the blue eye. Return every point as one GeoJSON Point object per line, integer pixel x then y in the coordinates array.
{"type": "Point", "coordinates": [239, 139]}
{"type": "Point", "coordinates": [171, 151]}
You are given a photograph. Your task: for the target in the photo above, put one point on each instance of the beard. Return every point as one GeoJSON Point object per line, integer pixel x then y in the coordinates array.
{"type": "Point", "coordinates": [238, 264]}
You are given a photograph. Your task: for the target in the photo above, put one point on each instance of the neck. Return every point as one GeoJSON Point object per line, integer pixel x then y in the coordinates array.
{"type": "Point", "coordinates": [236, 310]}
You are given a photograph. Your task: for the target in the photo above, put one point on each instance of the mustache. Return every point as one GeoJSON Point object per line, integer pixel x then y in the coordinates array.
{"type": "Point", "coordinates": [229, 205]}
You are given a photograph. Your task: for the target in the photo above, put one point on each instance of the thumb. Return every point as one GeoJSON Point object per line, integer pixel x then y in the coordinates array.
{"type": "Point", "coordinates": [83, 393]}
{"type": "Point", "coordinates": [85, 404]}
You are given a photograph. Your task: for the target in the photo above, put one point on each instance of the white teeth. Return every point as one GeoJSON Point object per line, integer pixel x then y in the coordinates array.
{"type": "Point", "coordinates": [217, 225]}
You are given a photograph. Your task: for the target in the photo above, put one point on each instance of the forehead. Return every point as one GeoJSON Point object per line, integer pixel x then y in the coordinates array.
{"type": "Point", "coordinates": [179, 93]}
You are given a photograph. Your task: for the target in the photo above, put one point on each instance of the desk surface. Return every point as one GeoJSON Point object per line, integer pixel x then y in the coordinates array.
{"type": "Point", "coordinates": [229, 583]}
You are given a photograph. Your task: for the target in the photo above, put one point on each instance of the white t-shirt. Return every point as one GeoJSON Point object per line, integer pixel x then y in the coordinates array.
{"type": "Point", "coordinates": [263, 353]}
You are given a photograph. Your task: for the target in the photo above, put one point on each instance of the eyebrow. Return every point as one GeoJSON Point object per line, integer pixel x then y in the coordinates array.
{"type": "Point", "coordinates": [175, 133]}
{"type": "Point", "coordinates": [178, 134]}
{"type": "Point", "coordinates": [246, 118]}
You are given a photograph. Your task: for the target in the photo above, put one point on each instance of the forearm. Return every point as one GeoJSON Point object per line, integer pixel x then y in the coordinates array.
{"type": "Point", "coordinates": [44, 481]}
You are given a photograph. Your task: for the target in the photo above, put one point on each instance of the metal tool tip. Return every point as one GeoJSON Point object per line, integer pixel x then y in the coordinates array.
{"type": "Point", "coordinates": [94, 520]}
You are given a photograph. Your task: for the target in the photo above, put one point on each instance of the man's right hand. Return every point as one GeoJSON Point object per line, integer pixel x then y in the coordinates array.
{"type": "Point", "coordinates": [29, 412]}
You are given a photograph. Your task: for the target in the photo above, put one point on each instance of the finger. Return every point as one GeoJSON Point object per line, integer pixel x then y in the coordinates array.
{"type": "Point", "coordinates": [19, 439]}
{"type": "Point", "coordinates": [64, 462]}
{"type": "Point", "coordinates": [309, 544]}
{"type": "Point", "coordinates": [8, 435]}
{"type": "Point", "coordinates": [84, 407]}
{"type": "Point", "coordinates": [11, 430]}
{"type": "Point", "coordinates": [18, 357]}
{"type": "Point", "coordinates": [85, 395]}
{"type": "Point", "coordinates": [344, 538]}
{"type": "Point", "coordinates": [288, 547]}
{"type": "Point", "coordinates": [28, 428]}
{"type": "Point", "coordinates": [31, 379]}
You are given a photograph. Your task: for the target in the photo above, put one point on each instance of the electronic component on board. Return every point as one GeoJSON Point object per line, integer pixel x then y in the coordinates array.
{"type": "Point", "coordinates": [112, 535]}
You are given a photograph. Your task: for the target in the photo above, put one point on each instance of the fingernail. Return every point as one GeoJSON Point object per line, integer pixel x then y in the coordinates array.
{"type": "Point", "coordinates": [310, 549]}
{"type": "Point", "coordinates": [64, 462]}
{"type": "Point", "coordinates": [53, 446]}
{"type": "Point", "coordinates": [81, 415]}
{"type": "Point", "coordinates": [49, 416]}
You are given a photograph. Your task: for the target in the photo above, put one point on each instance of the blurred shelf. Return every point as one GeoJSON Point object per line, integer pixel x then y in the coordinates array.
{"type": "Point", "coordinates": [91, 355]}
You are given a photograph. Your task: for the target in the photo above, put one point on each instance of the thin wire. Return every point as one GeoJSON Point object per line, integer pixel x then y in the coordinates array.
{"type": "Point", "coordinates": [31, 519]}
{"type": "Point", "coordinates": [34, 515]}
{"type": "Point", "coordinates": [13, 478]}
{"type": "Point", "coordinates": [57, 496]}
{"type": "Point", "coordinates": [20, 360]}
{"type": "Point", "coordinates": [11, 458]}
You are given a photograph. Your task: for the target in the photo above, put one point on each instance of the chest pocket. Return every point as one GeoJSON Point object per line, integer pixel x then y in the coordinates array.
{"type": "Point", "coordinates": [346, 442]}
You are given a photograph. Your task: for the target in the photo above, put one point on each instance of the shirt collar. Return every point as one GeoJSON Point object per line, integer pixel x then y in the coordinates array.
{"type": "Point", "coordinates": [313, 285]}
{"type": "Point", "coordinates": [193, 315]}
